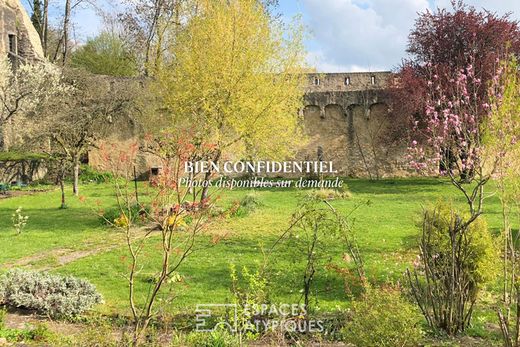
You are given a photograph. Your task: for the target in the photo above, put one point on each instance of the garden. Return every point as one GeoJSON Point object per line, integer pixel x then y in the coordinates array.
{"type": "Point", "coordinates": [110, 236]}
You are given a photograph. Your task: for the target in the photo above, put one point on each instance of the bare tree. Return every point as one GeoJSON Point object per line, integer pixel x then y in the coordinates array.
{"type": "Point", "coordinates": [45, 27]}
{"type": "Point", "coordinates": [171, 216]}
{"type": "Point", "coordinates": [66, 27]}
{"type": "Point", "coordinates": [370, 135]}
{"type": "Point", "coordinates": [152, 25]}
{"type": "Point", "coordinates": [89, 114]}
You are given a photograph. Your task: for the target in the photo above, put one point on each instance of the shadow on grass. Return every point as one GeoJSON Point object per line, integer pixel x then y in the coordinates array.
{"type": "Point", "coordinates": [50, 219]}
{"type": "Point", "coordinates": [396, 186]}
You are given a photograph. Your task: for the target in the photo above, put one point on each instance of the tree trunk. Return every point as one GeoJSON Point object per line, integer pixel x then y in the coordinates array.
{"type": "Point", "coordinates": [62, 188]}
{"type": "Point", "coordinates": [207, 176]}
{"type": "Point", "coordinates": [75, 184]}
{"type": "Point", "coordinates": [45, 27]}
{"type": "Point", "coordinates": [66, 25]}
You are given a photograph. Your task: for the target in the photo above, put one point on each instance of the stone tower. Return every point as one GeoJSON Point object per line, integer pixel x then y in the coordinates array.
{"type": "Point", "coordinates": [18, 38]}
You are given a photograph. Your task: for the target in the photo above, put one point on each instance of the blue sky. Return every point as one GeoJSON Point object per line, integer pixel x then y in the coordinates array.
{"type": "Point", "coordinates": [344, 35]}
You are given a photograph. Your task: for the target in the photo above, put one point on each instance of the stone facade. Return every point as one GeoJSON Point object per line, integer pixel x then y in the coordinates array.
{"type": "Point", "coordinates": [18, 38]}
{"type": "Point", "coordinates": [347, 120]}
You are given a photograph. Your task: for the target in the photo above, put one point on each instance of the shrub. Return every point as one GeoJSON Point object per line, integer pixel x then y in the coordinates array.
{"type": "Point", "coordinates": [54, 295]}
{"type": "Point", "coordinates": [217, 338]}
{"type": "Point", "coordinates": [90, 175]}
{"type": "Point", "coordinates": [329, 194]}
{"type": "Point", "coordinates": [456, 260]}
{"type": "Point", "coordinates": [247, 205]}
{"type": "Point", "coordinates": [40, 333]}
{"type": "Point", "coordinates": [113, 216]}
{"type": "Point", "coordinates": [382, 317]}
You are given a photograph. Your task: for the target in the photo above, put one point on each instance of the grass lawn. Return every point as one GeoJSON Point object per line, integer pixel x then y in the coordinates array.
{"type": "Point", "coordinates": [385, 229]}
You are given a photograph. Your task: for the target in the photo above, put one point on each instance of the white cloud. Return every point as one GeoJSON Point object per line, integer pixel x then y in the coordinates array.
{"type": "Point", "coordinates": [372, 34]}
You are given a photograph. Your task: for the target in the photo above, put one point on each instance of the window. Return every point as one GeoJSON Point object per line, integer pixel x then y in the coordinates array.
{"type": "Point", "coordinates": [347, 81]}
{"type": "Point", "coordinates": [12, 44]}
{"type": "Point", "coordinates": [316, 81]}
{"type": "Point", "coordinates": [373, 80]}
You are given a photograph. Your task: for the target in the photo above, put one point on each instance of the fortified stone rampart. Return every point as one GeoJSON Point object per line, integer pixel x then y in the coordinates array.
{"type": "Point", "coordinates": [347, 120]}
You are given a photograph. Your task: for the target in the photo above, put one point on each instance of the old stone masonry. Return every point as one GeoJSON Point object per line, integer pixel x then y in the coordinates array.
{"type": "Point", "coordinates": [18, 38]}
{"type": "Point", "coordinates": [345, 115]}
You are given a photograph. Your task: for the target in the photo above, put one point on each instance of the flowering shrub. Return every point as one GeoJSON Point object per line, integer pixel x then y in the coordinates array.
{"type": "Point", "coordinates": [454, 114]}
{"type": "Point", "coordinates": [19, 220]}
{"type": "Point", "coordinates": [54, 295]}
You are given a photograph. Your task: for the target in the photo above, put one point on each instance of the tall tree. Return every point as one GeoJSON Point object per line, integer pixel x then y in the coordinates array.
{"type": "Point", "coordinates": [443, 44]}
{"type": "Point", "coordinates": [45, 28]}
{"type": "Point", "coordinates": [152, 25]}
{"type": "Point", "coordinates": [89, 114]}
{"type": "Point", "coordinates": [236, 79]}
{"type": "Point", "coordinates": [37, 17]}
{"type": "Point", "coordinates": [106, 54]}
{"type": "Point", "coordinates": [66, 31]}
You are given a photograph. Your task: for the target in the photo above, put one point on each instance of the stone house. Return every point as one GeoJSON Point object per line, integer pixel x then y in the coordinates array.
{"type": "Point", "coordinates": [18, 38]}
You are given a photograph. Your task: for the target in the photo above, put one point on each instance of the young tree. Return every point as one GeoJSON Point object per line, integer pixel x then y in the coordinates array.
{"type": "Point", "coordinates": [175, 223]}
{"type": "Point", "coordinates": [315, 223]}
{"type": "Point", "coordinates": [475, 139]}
{"type": "Point", "coordinates": [106, 54]}
{"type": "Point", "coordinates": [501, 135]}
{"type": "Point", "coordinates": [234, 73]}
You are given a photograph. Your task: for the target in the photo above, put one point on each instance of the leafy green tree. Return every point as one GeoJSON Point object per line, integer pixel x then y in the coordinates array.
{"type": "Point", "coordinates": [235, 76]}
{"type": "Point", "coordinates": [106, 54]}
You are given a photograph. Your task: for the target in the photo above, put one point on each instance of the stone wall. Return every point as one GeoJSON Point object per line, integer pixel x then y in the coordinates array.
{"type": "Point", "coordinates": [345, 116]}
{"type": "Point", "coordinates": [347, 121]}
{"type": "Point", "coordinates": [347, 81]}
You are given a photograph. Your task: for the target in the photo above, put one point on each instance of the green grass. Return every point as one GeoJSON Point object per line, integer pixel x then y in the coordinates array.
{"type": "Point", "coordinates": [385, 228]}
{"type": "Point", "coordinates": [21, 156]}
